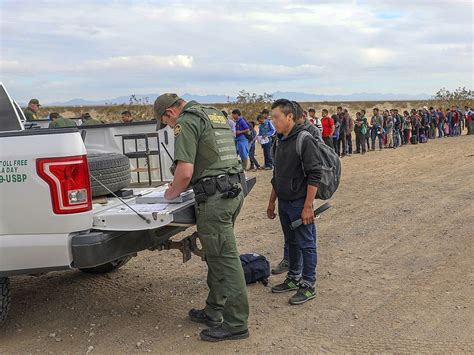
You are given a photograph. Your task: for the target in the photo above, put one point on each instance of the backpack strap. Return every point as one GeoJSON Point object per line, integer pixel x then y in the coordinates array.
{"type": "Point", "coordinates": [299, 146]}
{"type": "Point", "coordinates": [299, 141]}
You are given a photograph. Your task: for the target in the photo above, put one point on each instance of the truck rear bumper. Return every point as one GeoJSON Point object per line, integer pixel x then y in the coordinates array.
{"type": "Point", "coordinates": [99, 247]}
{"type": "Point", "coordinates": [37, 254]}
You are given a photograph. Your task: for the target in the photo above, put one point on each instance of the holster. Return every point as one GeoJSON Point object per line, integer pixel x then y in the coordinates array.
{"type": "Point", "coordinates": [227, 185]}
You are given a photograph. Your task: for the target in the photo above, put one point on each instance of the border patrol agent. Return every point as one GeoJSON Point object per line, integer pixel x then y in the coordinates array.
{"type": "Point", "coordinates": [31, 112]}
{"type": "Point", "coordinates": [60, 121]}
{"type": "Point", "coordinates": [87, 120]}
{"type": "Point", "coordinates": [205, 157]}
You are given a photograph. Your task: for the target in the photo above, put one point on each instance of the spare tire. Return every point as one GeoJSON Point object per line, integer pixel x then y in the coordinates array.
{"type": "Point", "coordinates": [110, 169]}
{"type": "Point", "coordinates": [107, 267]}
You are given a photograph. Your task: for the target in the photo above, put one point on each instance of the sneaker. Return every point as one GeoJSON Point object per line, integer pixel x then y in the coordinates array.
{"type": "Point", "coordinates": [281, 267]}
{"type": "Point", "coordinates": [287, 286]}
{"type": "Point", "coordinates": [304, 294]}
{"type": "Point", "coordinates": [267, 168]}
{"type": "Point", "coordinates": [199, 316]}
{"type": "Point", "coordinates": [220, 334]}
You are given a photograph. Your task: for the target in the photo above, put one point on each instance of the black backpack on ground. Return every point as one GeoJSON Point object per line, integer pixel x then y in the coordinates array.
{"type": "Point", "coordinates": [414, 139]}
{"type": "Point", "coordinates": [256, 268]}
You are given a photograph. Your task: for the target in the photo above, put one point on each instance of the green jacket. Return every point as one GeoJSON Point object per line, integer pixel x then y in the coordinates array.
{"type": "Point", "coordinates": [62, 122]}
{"type": "Point", "coordinates": [30, 115]}
{"type": "Point", "coordinates": [91, 122]}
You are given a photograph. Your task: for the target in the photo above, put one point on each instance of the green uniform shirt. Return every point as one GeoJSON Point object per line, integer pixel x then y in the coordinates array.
{"type": "Point", "coordinates": [62, 122]}
{"type": "Point", "coordinates": [204, 139]}
{"type": "Point", "coordinates": [30, 115]}
{"type": "Point", "coordinates": [91, 122]}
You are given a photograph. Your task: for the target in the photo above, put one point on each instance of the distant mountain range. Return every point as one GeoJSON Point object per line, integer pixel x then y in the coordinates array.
{"type": "Point", "coordinates": [215, 99]}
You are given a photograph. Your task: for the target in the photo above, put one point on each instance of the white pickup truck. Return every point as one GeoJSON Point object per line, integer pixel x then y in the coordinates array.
{"type": "Point", "coordinates": [49, 220]}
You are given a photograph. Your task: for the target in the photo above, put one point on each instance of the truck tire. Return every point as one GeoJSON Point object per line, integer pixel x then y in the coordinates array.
{"type": "Point", "coordinates": [107, 267]}
{"type": "Point", "coordinates": [5, 298]}
{"type": "Point", "coordinates": [111, 169]}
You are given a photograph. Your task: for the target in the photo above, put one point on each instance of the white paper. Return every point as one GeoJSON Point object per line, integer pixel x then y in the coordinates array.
{"type": "Point", "coordinates": [263, 140]}
{"type": "Point", "coordinates": [153, 207]}
{"type": "Point", "coordinates": [156, 194]}
{"type": "Point", "coordinates": [159, 197]}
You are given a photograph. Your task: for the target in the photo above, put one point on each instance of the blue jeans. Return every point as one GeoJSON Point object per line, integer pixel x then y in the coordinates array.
{"type": "Point", "coordinates": [301, 242]}
{"type": "Point", "coordinates": [253, 160]}
{"type": "Point", "coordinates": [267, 155]}
{"type": "Point", "coordinates": [440, 130]}
{"type": "Point", "coordinates": [396, 138]}
{"type": "Point", "coordinates": [374, 137]}
{"type": "Point", "coordinates": [243, 148]}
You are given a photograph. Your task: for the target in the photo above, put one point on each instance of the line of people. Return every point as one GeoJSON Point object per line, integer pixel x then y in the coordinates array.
{"type": "Point", "coordinates": [390, 129]}
{"type": "Point", "coordinates": [385, 129]}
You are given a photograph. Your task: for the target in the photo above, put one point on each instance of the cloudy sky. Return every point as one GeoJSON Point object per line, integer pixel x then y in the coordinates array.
{"type": "Point", "coordinates": [59, 50]}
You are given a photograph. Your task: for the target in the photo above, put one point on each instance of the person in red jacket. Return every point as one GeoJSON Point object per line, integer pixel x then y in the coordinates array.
{"type": "Point", "coordinates": [328, 128]}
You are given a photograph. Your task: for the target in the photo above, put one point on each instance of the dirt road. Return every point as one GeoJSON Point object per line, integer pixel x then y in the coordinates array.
{"type": "Point", "coordinates": [395, 273]}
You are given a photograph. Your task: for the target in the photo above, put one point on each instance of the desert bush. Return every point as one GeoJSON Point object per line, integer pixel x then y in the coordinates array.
{"type": "Point", "coordinates": [250, 104]}
{"type": "Point", "coordinates": [459, 97]}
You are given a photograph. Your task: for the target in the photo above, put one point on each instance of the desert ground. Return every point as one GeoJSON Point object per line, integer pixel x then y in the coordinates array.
{"type": "Point", "coordinates": [395, 274]}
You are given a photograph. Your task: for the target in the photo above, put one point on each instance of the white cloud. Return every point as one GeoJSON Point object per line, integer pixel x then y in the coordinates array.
{"type": "Point", "coordinates": [278, 71]}
{"type": "Point", "coordinates": [11, 67]}
{"type": "Point", "coordinates": [377, 56]}
{"type": "Point", "coordinates": [141, 62]}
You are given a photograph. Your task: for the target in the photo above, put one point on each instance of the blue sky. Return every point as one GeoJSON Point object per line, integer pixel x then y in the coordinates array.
{"type": "Point", "coordinates": [59, 50]}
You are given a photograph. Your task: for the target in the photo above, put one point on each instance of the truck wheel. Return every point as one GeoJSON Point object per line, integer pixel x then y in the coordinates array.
{"type": "Point", "coordinates": [5, 298]}
{"type": "Point", "coordinates": [111, 169]}
{"type": "Point", "coordinates": [107, 267]}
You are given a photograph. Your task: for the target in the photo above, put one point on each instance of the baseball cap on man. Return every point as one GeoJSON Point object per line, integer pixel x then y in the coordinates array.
{"type": "Point", "coordinates": [34, 101]}
{"type": "Point", "coordinates": [163, 102]}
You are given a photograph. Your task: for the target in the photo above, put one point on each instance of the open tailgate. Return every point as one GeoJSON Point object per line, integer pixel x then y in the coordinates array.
{"type": "Point", "coordinates": [116, 216]}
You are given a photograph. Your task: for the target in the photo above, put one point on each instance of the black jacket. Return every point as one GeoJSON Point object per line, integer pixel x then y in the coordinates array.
{"type": "Point", "coordinates": [289, 180]}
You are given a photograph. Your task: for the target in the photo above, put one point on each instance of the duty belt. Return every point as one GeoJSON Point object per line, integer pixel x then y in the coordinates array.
{"type": "Point", "coordinates": [228, 185]}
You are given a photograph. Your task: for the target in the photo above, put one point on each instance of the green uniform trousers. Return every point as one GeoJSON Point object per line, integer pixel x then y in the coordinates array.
{"type": "Point", "coordinates": [225, 278]}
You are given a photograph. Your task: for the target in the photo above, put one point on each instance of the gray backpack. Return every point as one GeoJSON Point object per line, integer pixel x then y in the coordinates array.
{"type": "Point", "coordinates": [330, 165]}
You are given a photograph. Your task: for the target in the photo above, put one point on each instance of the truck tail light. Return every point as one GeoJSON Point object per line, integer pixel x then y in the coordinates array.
{"type": "Point", "coordinates": [69, 183]}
